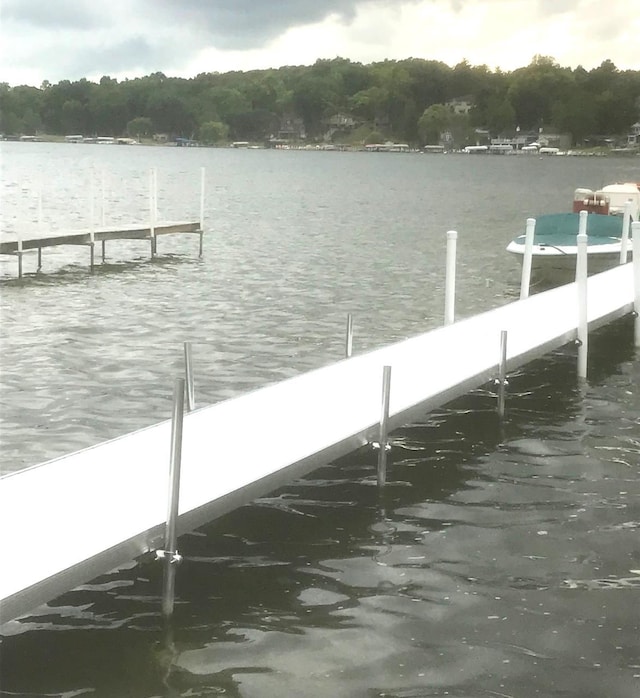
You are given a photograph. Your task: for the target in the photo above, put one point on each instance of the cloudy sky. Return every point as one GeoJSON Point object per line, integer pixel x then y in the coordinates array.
{"type": "Point", "coordinates": [70, 39]}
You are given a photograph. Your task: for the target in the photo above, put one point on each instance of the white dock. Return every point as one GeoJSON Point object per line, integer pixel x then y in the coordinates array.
{"type": "Point", "coordinates": [66, 521]}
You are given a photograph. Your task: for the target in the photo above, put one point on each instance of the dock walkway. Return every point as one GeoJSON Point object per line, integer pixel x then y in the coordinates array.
{"type": "Point", "coordinates": [14, 244]}
{"type": "Point", "coordinates": [66, 521]}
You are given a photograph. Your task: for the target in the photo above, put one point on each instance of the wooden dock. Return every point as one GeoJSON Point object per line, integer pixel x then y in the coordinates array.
{"type": "Point", "coordinates": [14, 244]}
{"type": "Point", "coordinates": [66, 521]}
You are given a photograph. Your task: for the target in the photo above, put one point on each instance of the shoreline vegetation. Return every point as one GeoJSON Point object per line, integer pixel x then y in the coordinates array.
{"type": "Point", "coordinates": [408, 105]}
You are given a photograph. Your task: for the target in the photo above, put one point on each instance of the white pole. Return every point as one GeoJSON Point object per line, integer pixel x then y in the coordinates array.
{"type": "Point", "coordinates": [450, 278]}
{"type": "Point", "coordinates": [635, 233]}
{"type": "Point", "coordinates": [624, 241]}
{"type": "Point", "coordinates": [103, 187]}
{"type": "Point", "coordinates": [348, 350]}
{"type": "Point", "coordinates": [152, 210]}
{"type": "Point", "coordinates": [202, 182]}
{"type": "Point", "coordinates": [525, 281]}
{"type": "Point", "coordinates": [581, 283]}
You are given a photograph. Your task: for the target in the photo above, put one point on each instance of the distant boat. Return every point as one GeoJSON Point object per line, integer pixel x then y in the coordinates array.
{"type": "Point", "coordinates": [555, 241]}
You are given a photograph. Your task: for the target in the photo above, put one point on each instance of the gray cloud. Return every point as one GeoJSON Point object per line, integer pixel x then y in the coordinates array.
{"type": "Point", "coordinates": [45, 14]}
{"type": "Point", "coordinates": [248, 24]}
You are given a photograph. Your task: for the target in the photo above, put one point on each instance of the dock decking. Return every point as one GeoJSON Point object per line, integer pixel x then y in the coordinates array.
{"type": "Point", "coordinates": [66, 521]}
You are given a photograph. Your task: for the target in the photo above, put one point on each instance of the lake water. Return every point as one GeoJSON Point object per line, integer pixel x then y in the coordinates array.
{"type": "Point", "coordinates": [501, 560]}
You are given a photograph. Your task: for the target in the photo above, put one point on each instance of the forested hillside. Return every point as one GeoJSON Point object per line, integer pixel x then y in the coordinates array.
{"type": "Point", "coordinates": [412, 101]}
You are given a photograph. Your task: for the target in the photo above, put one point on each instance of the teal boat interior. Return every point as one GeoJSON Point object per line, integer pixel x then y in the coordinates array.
{"type": "Point", "coordinates": [561, 229]}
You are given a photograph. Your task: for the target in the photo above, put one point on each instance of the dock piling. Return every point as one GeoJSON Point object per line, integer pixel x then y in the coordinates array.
{"type": "Point", "coordinates": [349, 338]}
{"type": "Point", "coordinates": [383, 438]}
{"type": "Point", "coordinates": [188, 369]}
{"type": "Point", "coordinates": [635, 233]}
{"type": "Point", "coordinates": [581, 283]}
{"type": "Point", "coordinates": [170, 555]}
{"type": "Point", "coordinates": [502, 381]}
{"type": "Point", "coordinates": [153, 184]}
{"type": "Point", "coordinates": [19, 253]}
{"type": "Point", "coordinates": [525, 281]}
{"type": "Point", "coordinates": [624, 241]}
{"type": "Point", "coordinates": [450, 278]}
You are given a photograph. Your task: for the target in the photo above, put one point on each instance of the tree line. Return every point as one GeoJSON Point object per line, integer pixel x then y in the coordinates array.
{"type": "Point", "coordinates": [412, 100]}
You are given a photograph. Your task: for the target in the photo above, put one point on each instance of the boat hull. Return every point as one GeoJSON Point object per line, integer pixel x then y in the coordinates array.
{"type": "Point", "coordinates": [557, 265]}
{"type": "Point", "coordinates": [555, 246]}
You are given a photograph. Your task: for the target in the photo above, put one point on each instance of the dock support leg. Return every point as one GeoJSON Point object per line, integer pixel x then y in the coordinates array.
{"type": "Point", "coordinates": [502, 381]}
{"type": "Point", "coordinates": [525, 280]}
{"type": "Point", "coordinates": [170, 555]}
{"type": "Point", "coordinates": [635, 232]}
{"type": "Point", "coordinates": [581, 283]}
{"type": "Point", "coordinates": [349, 339]}
{"type": "Point", "coordinates": [201, 239]}
{"type": "Point", "coordinates": [92, 252]}
{"type": "Point", "coordinates": [624, 240]}
{"type": "Point", "coordinates": [39, 258]}
{"type": "Point", "coordinates": [104, 251]}
{"type": "Point", "coordinates": [383, 438]}
{"type": "Point", "coordinates": [450, 278]}
{"type": "Point", "coordinates": [188, 370]}
{"type": "Point", "coordinates": [19, 253]}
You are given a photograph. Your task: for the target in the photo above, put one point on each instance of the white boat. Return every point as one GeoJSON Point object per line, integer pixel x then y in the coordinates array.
{"type": "Point", "coordinates": [555, 239]}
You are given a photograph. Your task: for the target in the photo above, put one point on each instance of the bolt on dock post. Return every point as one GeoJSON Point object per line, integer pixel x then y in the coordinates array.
{"type": "Point", "coordinates": [635, 232]}
{"type": "Point", "coordinates": [581, 284]}
{"type": "Point", "coordinates": [525, 281]}
{"type": "Point", "coordinates": [450, 278]}
{"type": "Point", "coordinates": [383, 438]}
{"type": "Point", "coordinates": [349, 338]}
{"type": "Point", "coordinates": [170, 555]}
{"type": "Point", "coordinates": [188, 370]}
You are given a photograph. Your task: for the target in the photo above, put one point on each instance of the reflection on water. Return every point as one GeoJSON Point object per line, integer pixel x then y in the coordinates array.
{"type": "Point", "coordinates": [501, 560]}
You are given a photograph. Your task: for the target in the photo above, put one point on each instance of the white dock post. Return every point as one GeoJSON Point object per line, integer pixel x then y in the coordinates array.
{"type": "Point", "coordinates": [202, 187]}
{"type": "Point", "coordinates": [502, 374]}
{"type": "Point", "coordinates": [92, 229]}
{"type": "Point", "coordinates": [19, 252]}
{"type": "Point", "coordinates": [624, 241]}
{"type": "Point", "coordinates": [349, 339]}
{"type": "Point", "coordinates": [188, 369]}
{"type": "Point", "coordinates": [383, 438]}
{"type": "Point", "coordinates": [170, 555]}
{"type": "Point", "coordinates": [450, 278]}
{"type": "Point", "coordinates": [635, 233]}
{"type": "Point", "coordinates": [152, 209]}
{"type": "Point", "coordinates": [525, 281]}
{"type": "Point", "coordinates": [581, 283]}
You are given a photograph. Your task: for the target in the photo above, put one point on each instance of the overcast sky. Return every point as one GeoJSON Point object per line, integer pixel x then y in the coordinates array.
{"type": "Point", "coordinates": [70, 39]}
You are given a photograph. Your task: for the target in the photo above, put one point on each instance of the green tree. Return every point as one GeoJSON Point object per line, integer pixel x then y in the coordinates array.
{"type": "Point", "coordinates": [434, 121]}
{"type": "Point", "coordinates": [213, 132]}
{"type": "Point", "coordinates": [140, 127]}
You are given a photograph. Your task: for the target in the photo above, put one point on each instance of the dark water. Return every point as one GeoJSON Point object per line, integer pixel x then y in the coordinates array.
{"type": "Point", "coordinates": [501, 560]}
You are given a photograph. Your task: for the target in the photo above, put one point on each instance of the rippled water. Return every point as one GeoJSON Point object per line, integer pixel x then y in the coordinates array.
{"type": "Point", "coordinates": [501, 560]}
